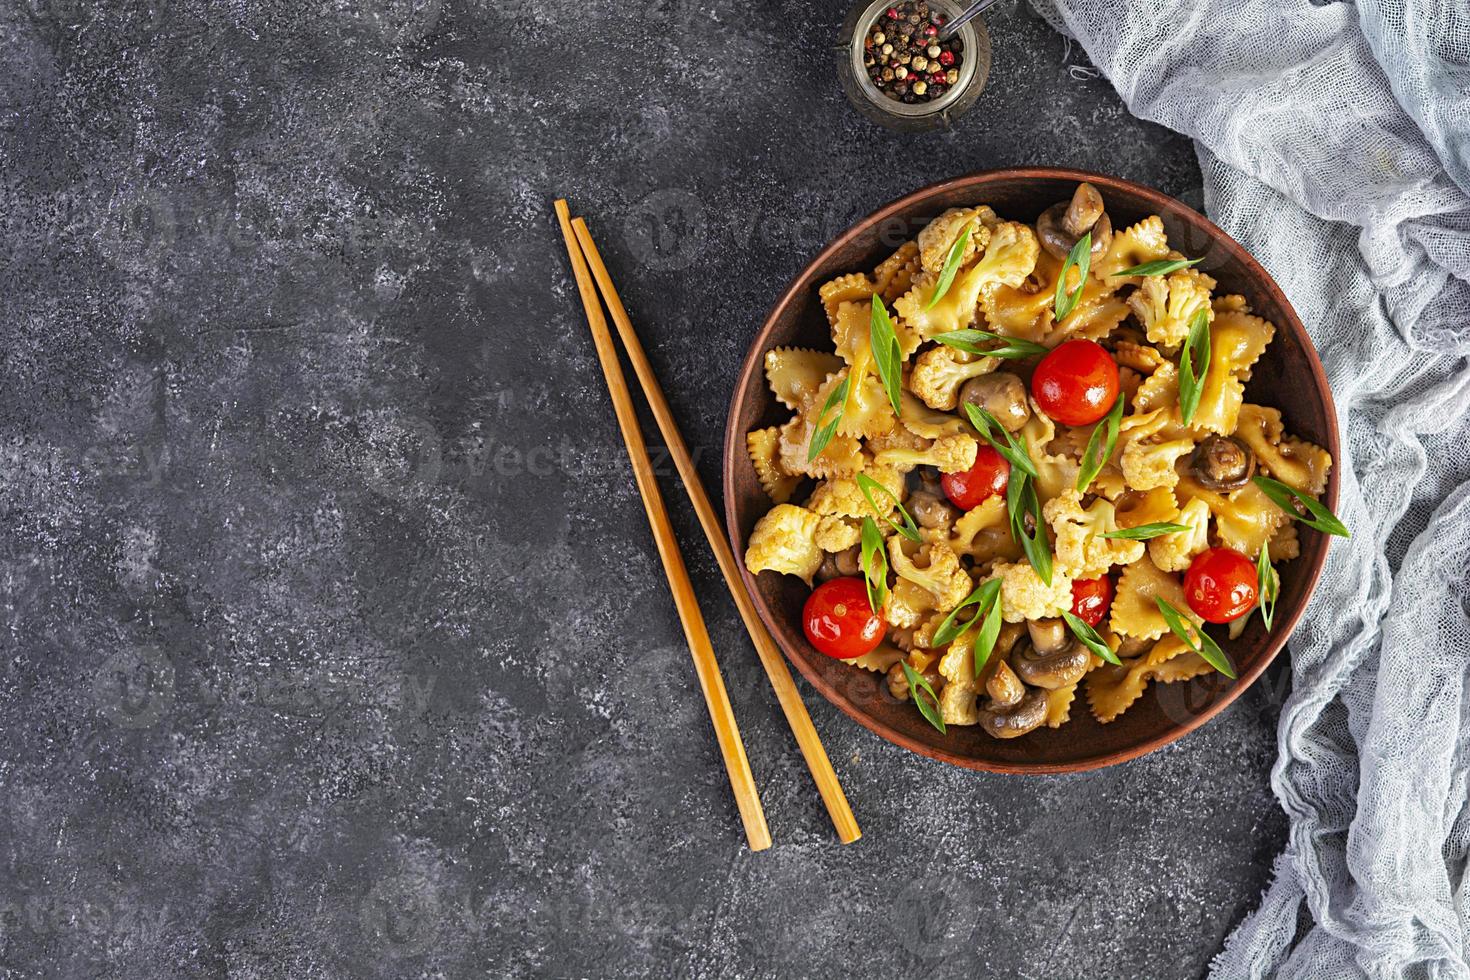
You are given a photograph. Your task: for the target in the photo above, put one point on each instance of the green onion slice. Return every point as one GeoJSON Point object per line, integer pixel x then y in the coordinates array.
{"type": "Point", "coordinates": [1196, 352]}
{"type": "Point", "coordinates": [1159, 267]}
{"type": "Point", "coordinates": [951, 266]}
{"type": "Point", "coordinates": [1090, 638]}
{"type": "Point", "coordinates": [1317, 516]}
{"type": "Point", "coordinates": [907, 528]}
{"type": "Point", "coordinates": [887, 358]}
{"type": "Point", "coordinates": [1100, 450]}
{"type": "Point", "coordinates": [1081, 257]}
{"type": "Point", "coordinates": [929, 709]}
{"type": "Point", "coordinates": [1206, 647]}
{"type": "Point", "coordinates": [1011, 348]}
{"type": "Point", "coordinates": [1144, 532]}
{"type": "Point", "coordinates": [1017, 454]}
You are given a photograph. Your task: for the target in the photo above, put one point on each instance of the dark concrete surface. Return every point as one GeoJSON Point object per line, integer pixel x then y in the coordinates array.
{"type": "Point", "coordinates": [333, 642]}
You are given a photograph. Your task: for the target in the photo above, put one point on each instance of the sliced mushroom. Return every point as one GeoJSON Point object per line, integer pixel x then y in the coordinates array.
{"type": "Point", "coordinates": [1048, 635]}
{"type": "Point", "coordinates": [841, 564]}
{"type": "Point", "coordinates": [1085, 210]}
{"type": "Point", "coordinates": [1000, 393]}
{"type": "Point", "coordinates": [1004, 687]}
{"type": "Point", "coordinates": [1027, 716]}
{"type": "Point", "coordinates": [931, 510]}
{"type": "Point", "coordinates": [1222, 463]}
{"type": "Point", "coordinates": [1063, 223]}
{"type": "Point", "coordinates": [1051, 669]}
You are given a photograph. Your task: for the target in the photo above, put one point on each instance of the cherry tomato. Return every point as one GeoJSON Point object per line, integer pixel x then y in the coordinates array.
{"type": "Point", "coordinates": [1077, 383]}
{"type": "Point", "coordinates": [987, 478]}
{"type": "Point", "coordinates": [839, 621]}
{"type": "Point", "coordinates": [1091, 599]}
{"type": "Point", "coordinates": [1221, 585]}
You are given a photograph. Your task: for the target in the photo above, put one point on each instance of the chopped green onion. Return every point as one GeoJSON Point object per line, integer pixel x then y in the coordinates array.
{"type": "Point", "coordinates": [875, 564]}
{"type": "Point", "coordinates": [951, 629]}
{"type": "Point", "coordinates": [986, 424]}
{"type": "Point", "coordinates": [951, 266]}
{"type": "Point", "coordinates": [1011, 348]}
{"type": "Point", "coordinates": [1268, 585]}
{"type": "Point", "coordinates": [887, 357]}
{"type": "Point", "coordinates": [1159, 267]}
{"type": "Point", "coordinates": [1093, 460]}
{"type": "Point", "coordinates": [824, 433]}
{"type": "Point", "coordinates": [1317, 516]}
{"type": "Point", "coordinates": [908, 528]}
{"type": "Point", "coordinates": [1207, 648]}
{"type": "Point", "coordinates": [1192, 381]}
{"type": "Point", "coordinates": [1090, 638]}
{"type": "Point", "coordinates": [929, 709]}
{"type": "Point", "coordinates": [1021, 499]}
{"type": "Point", "coordinates": [1144, 532]}
{"type": "Point", "coordinates": [989, 631]}
{"type": "Point", "coordinates": [1081, 258]}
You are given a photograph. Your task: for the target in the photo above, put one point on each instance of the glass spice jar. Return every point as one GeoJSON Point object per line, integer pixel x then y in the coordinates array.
{"type": "Point", "coordinates": [891, 72]}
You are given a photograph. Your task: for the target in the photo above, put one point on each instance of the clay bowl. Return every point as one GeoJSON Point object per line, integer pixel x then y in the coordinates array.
{"type": "Point", "coordinates": [1289, 377]}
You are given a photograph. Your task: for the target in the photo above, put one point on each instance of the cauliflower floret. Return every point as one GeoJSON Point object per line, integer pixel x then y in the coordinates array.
{"type": "Point", "coordinates": [1009, 258]}
{"type": "Point", "coordinates": [939, 373]}
{"type": "Point", "coordinates": [957, 699]}
{"type": "Point", "coordinates": [1081, 549]}
{"type": "Point", "coordinates": [841, 496]}
{"type": "Point", "coordinates": [950, 454]}
{"type": "Point", "coordinates": [1166, 305]}
{"type": "Point", "coordinates": [939, 236]}
{"type": "Point", "coordinates": [1174, 552]}
{"type": "Point", "coordinates": [784, 541]}
{"type": "Point", "coordinates": [934, 568]}
{"type": "Point", "coordinates": [1023, 595]}
{"type": "Point", "coordinates": [836, 534]}
{"type": "Point", "coordinates": [1148, 456]}
{"type": "Point", "coordinates": [900, 437]}
{"type": "Point", "coordinates": [907, 605]}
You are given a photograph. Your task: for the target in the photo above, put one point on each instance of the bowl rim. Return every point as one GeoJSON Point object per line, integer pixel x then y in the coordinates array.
{"type": "Point", "coordinates": [754, 361]}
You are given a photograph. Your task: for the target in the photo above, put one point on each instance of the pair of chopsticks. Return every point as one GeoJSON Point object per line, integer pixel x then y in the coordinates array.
{"type": "Point", "coordinates": [582, 252]}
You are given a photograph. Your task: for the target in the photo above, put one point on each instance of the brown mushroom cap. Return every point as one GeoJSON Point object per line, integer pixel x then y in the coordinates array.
{"type": "Point", "coordinates": [1027, 716]}
{"type": "Point", "coordinates": [1052, 669]}
{"type": "Point", "coordinates": [1004, 687]}
{"type": "Point", "coordinates": [931, 510]}
{"type": "Point", "coordinates": [1222, 463]}
{"type": "Point", "coordinates": [1063, 223]}
{"type": "Point", "coordinates": [840, 564]}
{"type": "Point", "coordinates": [1000, 393]}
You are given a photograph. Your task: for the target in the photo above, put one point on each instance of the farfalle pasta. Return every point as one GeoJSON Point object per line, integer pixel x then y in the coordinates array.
{"type": "Point", "coordinates": [1005, 475]}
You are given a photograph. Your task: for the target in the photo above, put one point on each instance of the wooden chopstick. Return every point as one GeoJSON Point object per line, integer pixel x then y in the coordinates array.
{"type": "Point", "coordinates": [727, 733]}
{"type": "Point", "coordinates": [770, 657]}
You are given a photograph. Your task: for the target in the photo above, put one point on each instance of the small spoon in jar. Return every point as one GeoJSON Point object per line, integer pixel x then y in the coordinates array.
{"type": "Point", "coordinates": [973, 11]}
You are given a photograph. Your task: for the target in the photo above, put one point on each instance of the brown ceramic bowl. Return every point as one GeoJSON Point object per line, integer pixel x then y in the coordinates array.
{"type": "Point", "coordinates": [1289, 377]}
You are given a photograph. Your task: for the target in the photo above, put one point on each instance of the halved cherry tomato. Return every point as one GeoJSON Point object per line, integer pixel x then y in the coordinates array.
{"type": "Point", "coordinates": [988, 477]}
{"type": "Point", "coordinates": [1220, 585]}
{"type": "Point", "coordinates": [1077, 383]}
{"type": "Point", "coordinates": [839, 621]}
{"type": "Point", "coordinates": [1091, 599]}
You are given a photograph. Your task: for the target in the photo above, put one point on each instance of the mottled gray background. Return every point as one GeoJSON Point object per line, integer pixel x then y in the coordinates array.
{"type": "Point", "coordinates": [333, 640]}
